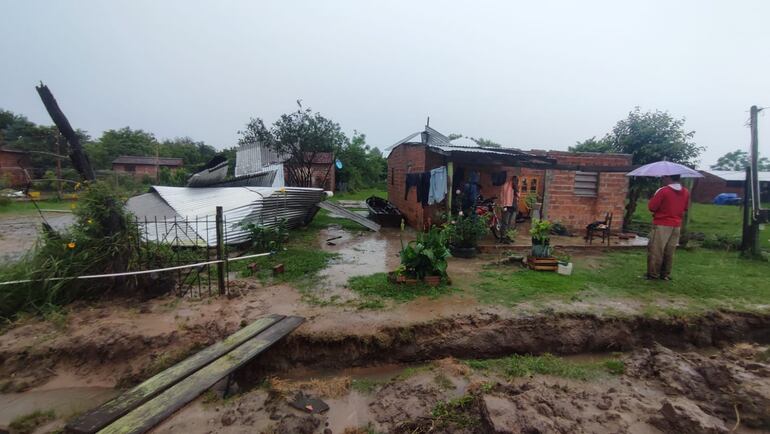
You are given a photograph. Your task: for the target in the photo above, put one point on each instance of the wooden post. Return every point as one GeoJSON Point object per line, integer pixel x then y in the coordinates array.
{"type": "Point", "coordinates": [450, 170]}
{"type": "Point", "coordinates": [220, 251]}
{"type": "Point", "coordinates": [58, 167]}
{"type": "Point", "coordinates": [750, 242]}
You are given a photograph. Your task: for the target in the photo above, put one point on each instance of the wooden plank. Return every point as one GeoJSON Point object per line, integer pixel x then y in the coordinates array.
{"type": "Point", "coordinates": [340, 211]}
{"type": "Point", "coordinates": [143, 418]}
{"type": "Point", "coordinates": [107, 413]}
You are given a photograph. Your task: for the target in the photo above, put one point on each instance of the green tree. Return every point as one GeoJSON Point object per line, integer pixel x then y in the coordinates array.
{"type": "Point", "coordinates": [739, 160]}
{"type": "Point", "coordinates": [17, 132]}
{"type": "Point", "coordinates": [300, 136]}
{"type": "Point", "coordinates": [362, 166]}
{"type": "Point", "coordinates": [195, 154]}
{"type": "Point", "coordinates": [124, 141]}
{"type": "Point", "coordinates": [649, 137]}
{"type": "Point", "coordinates": [487, 143]}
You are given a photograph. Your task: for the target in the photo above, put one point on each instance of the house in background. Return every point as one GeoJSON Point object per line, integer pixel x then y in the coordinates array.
{"type": "Point", "coordinates": [715, 182]}
{"type": "Point", "coordinates": [140, 166]}
{"type": "Point", "coordinates": [255, 163]}
{"type": "Point", "coordinates": [12, 165]}
{"type": "Point", "coordinates": [575, 189]}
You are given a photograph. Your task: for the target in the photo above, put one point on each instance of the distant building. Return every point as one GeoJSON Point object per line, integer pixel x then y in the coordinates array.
{"type": "Point", "coordinates": [12, 165]}
{"type": "Point", "coordinates": [141, 166]}
{"type": "Point", "coordinates": [253, 161]}
{"type": "Point", "coordinates": [715, 182]}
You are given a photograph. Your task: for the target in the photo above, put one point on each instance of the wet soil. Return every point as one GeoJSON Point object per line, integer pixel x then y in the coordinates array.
{"type": "Point", "coordinates": [661, 391]}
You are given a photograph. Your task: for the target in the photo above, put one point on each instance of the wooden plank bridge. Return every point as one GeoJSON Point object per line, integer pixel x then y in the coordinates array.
{"type": "Point", "coordinates": [146, 405]}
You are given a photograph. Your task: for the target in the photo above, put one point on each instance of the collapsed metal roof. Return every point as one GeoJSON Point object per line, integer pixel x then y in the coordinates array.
{"type": "Point", "coordinates": [185, 215]}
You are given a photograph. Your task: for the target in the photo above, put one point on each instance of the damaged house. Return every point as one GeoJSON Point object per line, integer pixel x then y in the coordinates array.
{"type": "Point", "coordinates": [574, 189]}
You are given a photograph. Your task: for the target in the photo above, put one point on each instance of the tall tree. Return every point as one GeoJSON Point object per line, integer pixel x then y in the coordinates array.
{"type": "Point", "coordinates": [362, 165]}
{"type": "Point", "coordinates": [648, 136]}
{"type": "Point", "coordinates": [124, 141]}
{"type": "Point", "coordinates": [739, 160]}
{"type": "Point", "coordinates": [300, 137]}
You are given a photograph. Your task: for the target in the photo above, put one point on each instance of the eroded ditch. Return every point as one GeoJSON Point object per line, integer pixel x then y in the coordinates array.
{"type": "Point", "coordinates": [661, 371]}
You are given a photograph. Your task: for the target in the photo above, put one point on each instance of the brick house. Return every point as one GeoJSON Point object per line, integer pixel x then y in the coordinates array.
{"type": "Point", "coordinates": [141, 166]}
{"type": "Point", "coordinates": [575, 189]}
{"type": "Point", "coordinates": [12, 165]}
{"type": "Point", "coordinates": [715, 182]}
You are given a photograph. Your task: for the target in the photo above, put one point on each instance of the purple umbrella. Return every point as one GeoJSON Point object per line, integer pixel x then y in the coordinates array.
{"type": "Point", "coordinates": [665, 168]}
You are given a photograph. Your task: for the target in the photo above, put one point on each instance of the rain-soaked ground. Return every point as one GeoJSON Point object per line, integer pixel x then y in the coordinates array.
{"type": "Point", "coordinates": [358, 254]}
{"type": "Point", "coordinates": [19, 231]}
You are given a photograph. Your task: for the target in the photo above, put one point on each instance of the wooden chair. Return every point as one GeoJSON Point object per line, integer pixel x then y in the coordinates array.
{"type": "Point", "coordinates": [600, 228]}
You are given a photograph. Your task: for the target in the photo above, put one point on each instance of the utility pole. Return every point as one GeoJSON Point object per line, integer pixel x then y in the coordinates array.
{"type": "Point", "coordinates": [58, 166]}
{"type": "Point", "coordinates": [750, 242]}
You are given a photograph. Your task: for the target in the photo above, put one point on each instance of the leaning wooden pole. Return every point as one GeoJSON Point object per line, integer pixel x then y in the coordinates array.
{"type": "Point", "coordinates": [77, 155]}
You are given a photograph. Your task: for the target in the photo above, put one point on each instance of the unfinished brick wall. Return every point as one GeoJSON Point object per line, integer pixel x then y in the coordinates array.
{"type": "Point", "coordinates": [403, 159]}
{"type": "Point", "coordinates": [575, 212]}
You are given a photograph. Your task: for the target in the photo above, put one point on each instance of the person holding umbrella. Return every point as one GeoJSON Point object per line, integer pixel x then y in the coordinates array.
{"type": "Point", "coordinates": [668, 205]}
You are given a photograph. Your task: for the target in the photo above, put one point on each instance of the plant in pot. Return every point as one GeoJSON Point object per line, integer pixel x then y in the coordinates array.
{"type": "Point", "coordinates": [463, 235]}
{"type": "Point", "coordinates": [541, 238]}
{"type": "Point", "coordinates": [425, 257]}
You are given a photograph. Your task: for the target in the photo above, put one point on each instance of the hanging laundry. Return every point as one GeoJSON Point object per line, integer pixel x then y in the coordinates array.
{"type": "Point", "coordinates": [498, 178]}
{"type": "Point", "coordinates": [412, 180]}
{"type": "Point", "coordinates": [438, 186]}
{"type": "Point", "coordinates": [423, 188]}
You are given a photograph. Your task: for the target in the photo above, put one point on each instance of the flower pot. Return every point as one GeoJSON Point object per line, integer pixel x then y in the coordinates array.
{"type": "Point", "coordinates": [432, 280]}
{"type": "Point", "coordinates": [463, 252]}
{"type": "Point", "coordinates": [564, 268]}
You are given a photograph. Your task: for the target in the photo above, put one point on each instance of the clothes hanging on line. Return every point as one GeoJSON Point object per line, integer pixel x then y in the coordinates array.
{"type": "Point", "coordinates": [498, 178]}
{"type": "Point", "coordinates": [423, 188]}
{"type": "Point", "coordinates": [438, 185]}
{"type": "Point", "coordinates": [412, 180]}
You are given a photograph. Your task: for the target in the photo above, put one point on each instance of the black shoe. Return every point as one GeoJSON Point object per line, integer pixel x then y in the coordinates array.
{"type": "Point", "coordinates": [648, 277]}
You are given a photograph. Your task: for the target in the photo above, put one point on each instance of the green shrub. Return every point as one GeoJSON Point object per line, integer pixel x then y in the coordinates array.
{"type": "Point", "coordinates": [425, 256]}
{"type": "Point", "coordinates": [722, 242]}
{"type": "Point", "coordinates": [103, 239]}
{"type": "Point", "coordinates": [466, 230]}
{"type": "Point", "coordinates": [267, 239]}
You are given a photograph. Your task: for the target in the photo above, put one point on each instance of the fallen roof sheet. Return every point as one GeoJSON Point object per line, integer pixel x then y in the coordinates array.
{"type": "Point", "coordinates": [194, 210]}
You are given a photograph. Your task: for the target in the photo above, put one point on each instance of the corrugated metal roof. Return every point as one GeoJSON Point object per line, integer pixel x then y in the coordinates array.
{"type": "Point", "coordinates": [264, 206]}
{"type": "Point", "coordinates": [736, 175]}
{"type": "Point", "coordinates": [137, 159]}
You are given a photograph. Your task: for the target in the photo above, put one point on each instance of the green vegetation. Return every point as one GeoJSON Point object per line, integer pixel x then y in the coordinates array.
{"type": "Point", "coordinates": [703, 280]}
{"type": "Point", "coordinates": [27, 207]}
{"type": "Point", "coordinates": [361, 194]}
{"type": "Point", "coordinates": [103, 239]}
{"type": "Point", "coordinates": [455, 412]}
{"type": "Point", "coordinates": [547, 364]}
{"type": "Point", "coordinates": [375, 288]}
{"type": "Point", "coordinates": [365, 385]}
{"type": "Point", "coordinates": [711, 220]}
{"type": "Point", "coordinates": [30, 422]}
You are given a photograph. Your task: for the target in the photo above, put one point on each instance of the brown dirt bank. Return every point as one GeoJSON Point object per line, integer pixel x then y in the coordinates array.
{"type": "Point", "coordinates": [489, 335]}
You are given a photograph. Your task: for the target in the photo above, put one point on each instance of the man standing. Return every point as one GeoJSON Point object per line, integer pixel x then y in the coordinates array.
{"type": "Point", "coordinates": [509, 198]}
{"type": "Point", "coordinates": [667, 206]}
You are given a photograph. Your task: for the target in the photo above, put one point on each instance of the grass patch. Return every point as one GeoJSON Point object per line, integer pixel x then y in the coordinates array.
{"type": "Point", "coordinates": [365, 385]}
{"type": "Point", "coordinates": [27, 207]}
{"type": "Point", "coordinates": [375, 288]}
{"type": "Point", "coordinates": [30, 422]}
{"type": "Point", "coordinates": [710, 219]}
{"type": "Point", "coordinates": [522, 366]}
{"type": "Point", "coordinates": [299, 264]}
{"type": "Point", "coordinates": [361, 194]}
{"type": "Point", "coordinates": [703, 280]}
{"type": "Point", "coordinates": [324, 219]}
{"type": "Point", "coordinates": [455, 412]}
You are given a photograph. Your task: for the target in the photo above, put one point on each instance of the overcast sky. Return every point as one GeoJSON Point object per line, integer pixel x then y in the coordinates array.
{"type": "Point", "coordinates": [525, 74]}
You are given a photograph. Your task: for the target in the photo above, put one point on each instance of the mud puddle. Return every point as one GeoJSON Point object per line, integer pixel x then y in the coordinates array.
{"type": "Point", "coordinates": [359, 254]}
{"type": "Point", "coordinates": [65, 402]}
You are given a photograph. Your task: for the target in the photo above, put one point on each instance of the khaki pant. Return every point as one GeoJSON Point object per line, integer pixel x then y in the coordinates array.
{"type": "Point", "coordinates": [660, 251]}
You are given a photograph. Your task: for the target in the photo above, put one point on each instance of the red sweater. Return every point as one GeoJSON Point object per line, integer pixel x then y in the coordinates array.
{"type": "Point", "coordinates": [668, 206]}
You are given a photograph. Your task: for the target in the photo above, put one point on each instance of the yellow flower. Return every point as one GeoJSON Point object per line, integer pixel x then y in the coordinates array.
{"type": "Point", "coordinates": [71, 245]}
{"type": "Point", "coordinates": [90, 221]}
{"type": "Point", "coordinates": [77, 186]}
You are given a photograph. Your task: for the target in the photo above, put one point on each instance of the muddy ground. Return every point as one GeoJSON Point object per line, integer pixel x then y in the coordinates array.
{"type": "Point", "coordinates": [19, 231]}
{"type": "Point", "coordinates": [76, 361]}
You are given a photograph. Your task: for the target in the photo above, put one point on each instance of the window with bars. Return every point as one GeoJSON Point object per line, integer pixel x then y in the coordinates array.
{"type": "Point", "coordinates": [586, 184]}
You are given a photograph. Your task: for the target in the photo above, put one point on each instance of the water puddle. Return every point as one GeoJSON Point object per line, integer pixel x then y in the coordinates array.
{"type": "Point", "coordinates": [359, 254]}
{"type": "Point", "coordinates": [64, 401]}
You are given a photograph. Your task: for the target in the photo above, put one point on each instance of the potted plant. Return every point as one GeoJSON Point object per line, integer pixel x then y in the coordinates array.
{"type": "Point", "coordinates": [463, 235]}
{"type": "Point", "coordinates": [565, 266]}
{"type": "Point", "coordinates": [425, 257]}
{"type": "Point", "coordinates": [541, 238]}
